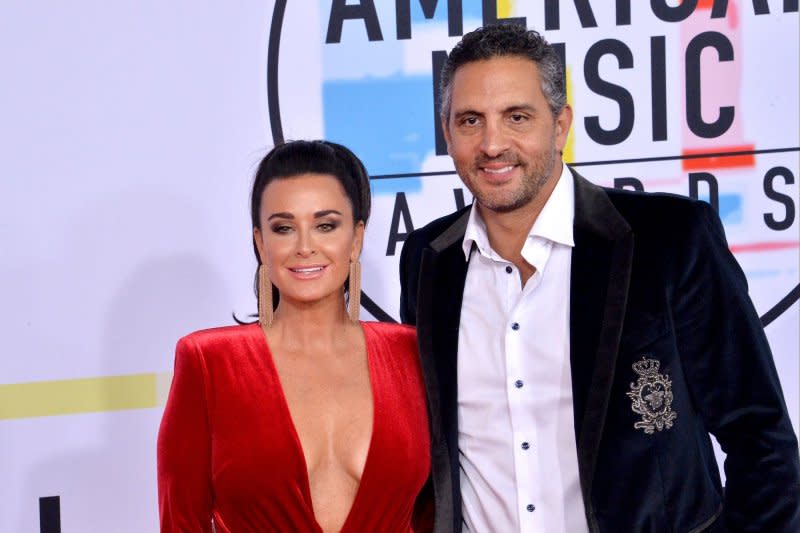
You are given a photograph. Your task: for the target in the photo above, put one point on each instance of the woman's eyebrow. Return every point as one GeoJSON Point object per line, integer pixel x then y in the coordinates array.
{"type": "Point", "coordinates": [326, 212]}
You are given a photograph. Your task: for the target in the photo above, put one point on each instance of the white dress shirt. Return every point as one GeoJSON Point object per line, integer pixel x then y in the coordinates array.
{"type": "Point", "coordinates": [516, 436]}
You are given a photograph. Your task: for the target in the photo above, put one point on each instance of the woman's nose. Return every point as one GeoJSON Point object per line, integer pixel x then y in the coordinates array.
{"type": "Point", "coordinates": [305, 244]}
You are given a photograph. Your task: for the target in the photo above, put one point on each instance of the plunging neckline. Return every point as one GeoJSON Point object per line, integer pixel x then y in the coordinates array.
{"type": "Point", "coordinates": [298, 445]}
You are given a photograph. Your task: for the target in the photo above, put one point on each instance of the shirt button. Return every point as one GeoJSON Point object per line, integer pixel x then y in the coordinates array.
{"type": "Point", "coordinates": [509, 269]}
{"type": "Point", "coordinates": [525, 445]}
{"type": "Point", "coordinates": [515, 326]}
{"type": "Point", "coordinates": [518, 384]}
{"type": "Point", "coordinates": [531, 508]}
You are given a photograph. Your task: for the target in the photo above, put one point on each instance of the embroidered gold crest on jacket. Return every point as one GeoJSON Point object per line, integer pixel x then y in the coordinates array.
{"type": "Point", "coordinates": [651, 397]}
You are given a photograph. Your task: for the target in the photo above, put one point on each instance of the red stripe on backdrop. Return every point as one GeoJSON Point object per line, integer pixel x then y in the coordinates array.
{"type": "Point", "coordinates": [769, 246]}
{"type": "Point", "coordinates": [732, 159]}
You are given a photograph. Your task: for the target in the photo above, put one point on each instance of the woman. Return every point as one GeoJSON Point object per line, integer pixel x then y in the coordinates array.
{"type": "Point", "coordinates": [308, 420]}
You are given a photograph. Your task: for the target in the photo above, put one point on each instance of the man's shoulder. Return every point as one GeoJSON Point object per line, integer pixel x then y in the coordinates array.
{"type": "Point", "coordinates": [667, 229]}
{"type": "Point", "coordinates": [661, 223]}
{"type": "Point", "coordinates": [425, 235]}
{"type": "Point", "coordinates": [657, 210]}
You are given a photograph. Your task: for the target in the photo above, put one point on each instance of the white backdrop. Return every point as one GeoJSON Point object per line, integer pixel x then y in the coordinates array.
{"type": "Point", "coordinates": [129, 132]}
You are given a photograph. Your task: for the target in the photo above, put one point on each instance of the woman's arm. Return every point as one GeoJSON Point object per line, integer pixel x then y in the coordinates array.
{"type": "Point", "coordinates": [184, 450]}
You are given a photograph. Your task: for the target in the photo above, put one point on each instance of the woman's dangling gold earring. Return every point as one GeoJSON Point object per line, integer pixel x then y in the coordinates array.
{"type": "Point", "coordinates": [354, 290]}
{"type": "Point", "coordinates": [264, 298]}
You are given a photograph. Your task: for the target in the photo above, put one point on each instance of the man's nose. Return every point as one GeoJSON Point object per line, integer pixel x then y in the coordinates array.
{"type": "Point", "coordinates": [494, 140]}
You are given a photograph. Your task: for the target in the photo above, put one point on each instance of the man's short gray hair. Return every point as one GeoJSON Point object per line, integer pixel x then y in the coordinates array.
{"type": "Point", "coordinates": [503, 40]}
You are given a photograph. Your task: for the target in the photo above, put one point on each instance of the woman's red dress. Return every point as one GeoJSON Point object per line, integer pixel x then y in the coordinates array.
{"type": "Point", "coordinates": [228, 449]}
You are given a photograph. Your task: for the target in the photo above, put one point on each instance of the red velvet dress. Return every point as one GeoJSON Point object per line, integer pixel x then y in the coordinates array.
{"type": "Point", "coordinates": [228, 449]}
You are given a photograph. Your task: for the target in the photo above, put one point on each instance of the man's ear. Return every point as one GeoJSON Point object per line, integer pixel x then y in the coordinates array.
{"type": "Point", "coordinates": [563, 123]}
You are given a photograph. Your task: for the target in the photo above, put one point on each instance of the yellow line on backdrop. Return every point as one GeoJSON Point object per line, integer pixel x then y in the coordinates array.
{"type": "Point", "coordinates": [505, 8]}
{"type": "Point", "coordinates": [86, 395]}
{"type": "Point", "coordinates": [569, 149]}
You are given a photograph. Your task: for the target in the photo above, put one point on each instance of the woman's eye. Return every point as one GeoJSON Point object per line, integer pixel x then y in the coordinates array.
{"type": "Point", "coordinates": [281, 228]}
{"type": "Point", "coordinates": [327, 226]}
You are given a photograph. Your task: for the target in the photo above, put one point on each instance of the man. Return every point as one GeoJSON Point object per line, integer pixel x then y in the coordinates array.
{"type": "Point", "coordinates": [579, 343]}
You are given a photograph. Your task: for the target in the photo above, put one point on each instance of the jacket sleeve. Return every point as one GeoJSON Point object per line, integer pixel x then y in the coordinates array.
{"type": "Point", "coordinates": [410, 258]}
{"type": "Point", "coordinates": [734, 383]}
{"type": "Point", "coordinates": [184, 451]}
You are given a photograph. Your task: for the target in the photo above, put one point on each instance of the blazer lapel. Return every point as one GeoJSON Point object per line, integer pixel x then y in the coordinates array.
{"type": "Point", "coordinates": [601, 268]}
{"type": "Point", "coordinates": [443, 272]}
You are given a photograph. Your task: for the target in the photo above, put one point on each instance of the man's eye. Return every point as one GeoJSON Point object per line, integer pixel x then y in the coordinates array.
{"type": "Point", "coordinates": [517, 118]}
{"type": "Point", "coordinates": [470, 121]}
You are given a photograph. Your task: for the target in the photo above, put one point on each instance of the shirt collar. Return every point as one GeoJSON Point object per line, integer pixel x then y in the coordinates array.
{"type": "Point", "coordinates": [554, 222]}
{"type": "Point", "coordinates": [476, 235]}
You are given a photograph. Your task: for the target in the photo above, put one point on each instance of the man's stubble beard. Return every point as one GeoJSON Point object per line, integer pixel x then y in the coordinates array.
{"type": "Point", "coordinates": [529, 188]}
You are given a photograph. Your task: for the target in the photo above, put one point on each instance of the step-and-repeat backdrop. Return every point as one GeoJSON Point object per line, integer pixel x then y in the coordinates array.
{"type": "Point", "coordinates": [129, 132]}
